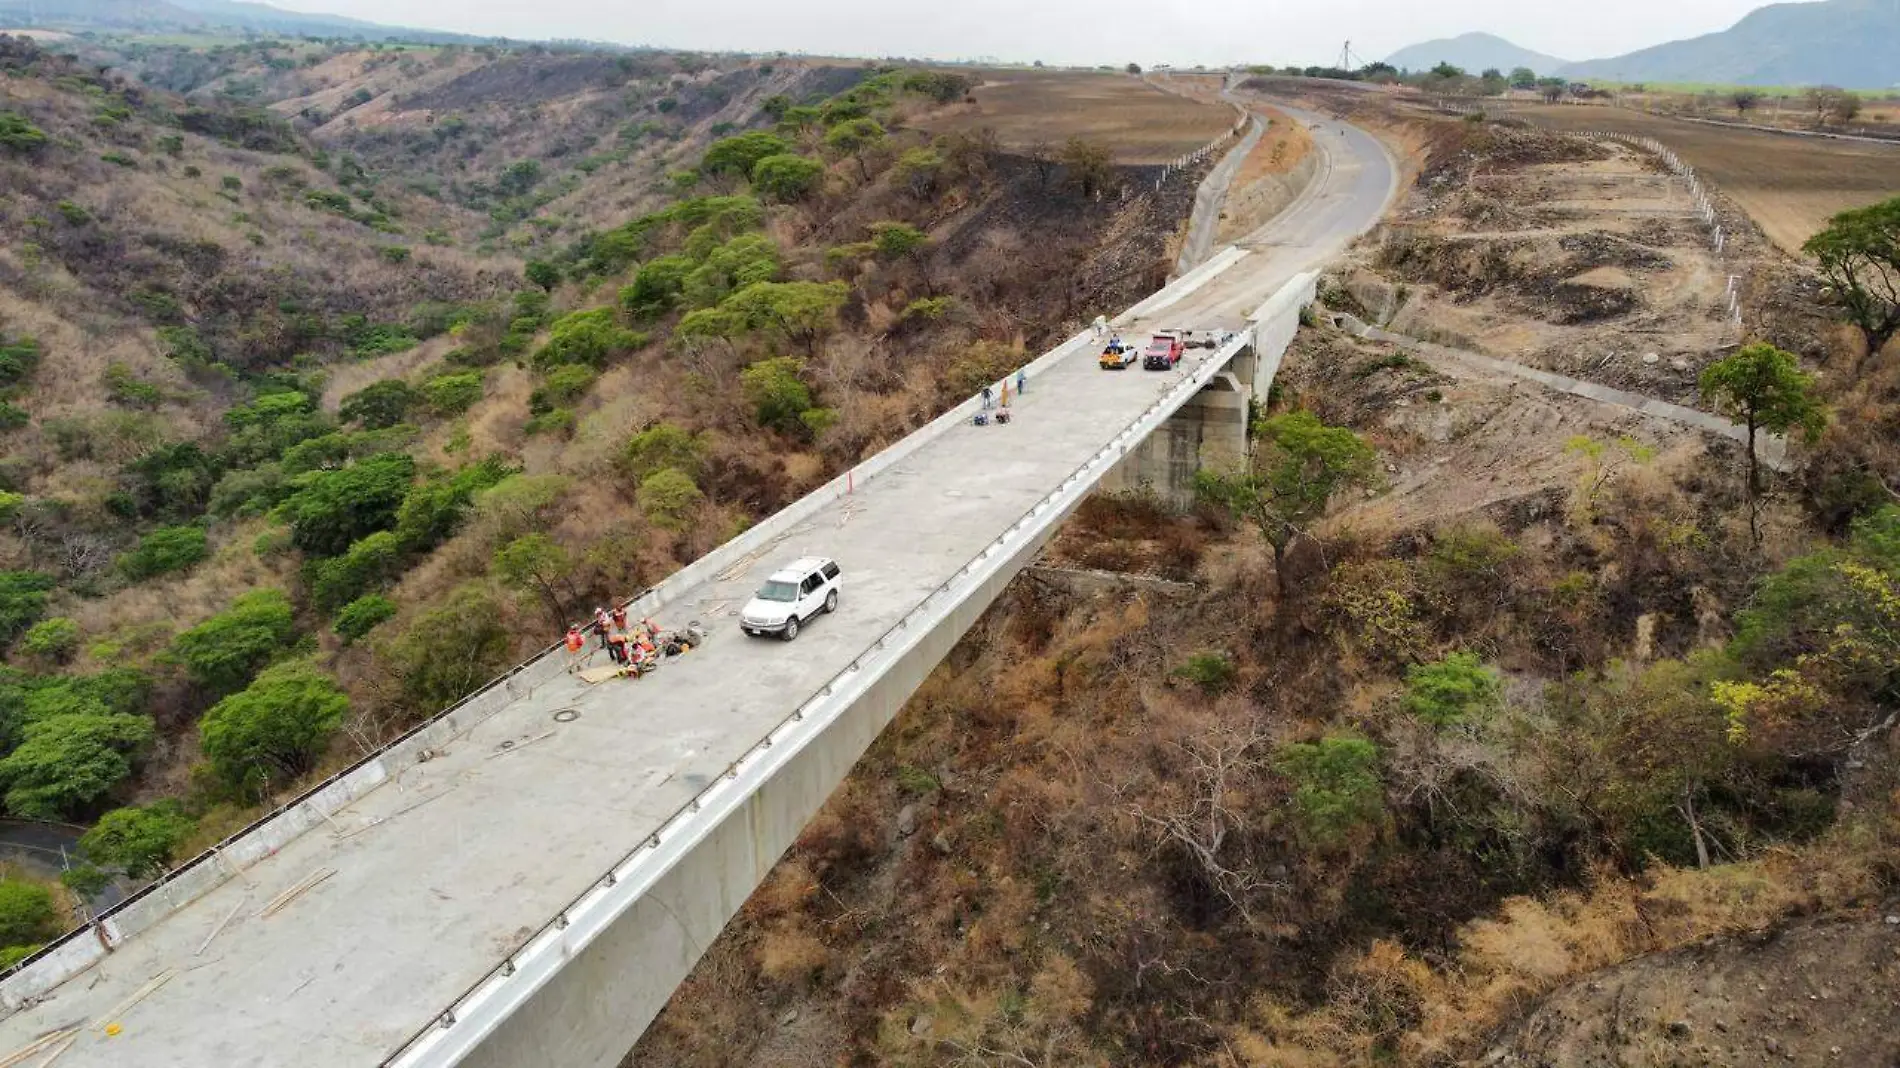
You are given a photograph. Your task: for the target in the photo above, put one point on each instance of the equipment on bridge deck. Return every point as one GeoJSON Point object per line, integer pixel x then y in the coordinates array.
{"type": "Point", "coordinates": [982, 419]}
{"type": "Point", "coordinates": [1002, 415]}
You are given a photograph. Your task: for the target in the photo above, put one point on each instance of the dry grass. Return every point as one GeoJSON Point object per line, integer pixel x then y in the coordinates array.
{"type": "Point", "coordinates": [1142, 123]}
{"type": "Point", "coordinates": [1788, 185]}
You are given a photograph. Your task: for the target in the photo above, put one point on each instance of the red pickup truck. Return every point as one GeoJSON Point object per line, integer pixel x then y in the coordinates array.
{"type": "Point", "coordinates": [1164, 351]}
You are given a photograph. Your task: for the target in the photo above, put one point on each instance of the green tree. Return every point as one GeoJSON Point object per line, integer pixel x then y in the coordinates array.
{"type": "Point", "coordinates": [222, 653]}
{"type": "Point", "coordinates": [918, 171]}
{"type": "Point", "coordinates": [1299, 464]}
{"type": "Point", "coordinates": [589, 337]}
{"type": "Point", "coordinates": [450, 651]}
{"type": "Point", "coordinates": [536, 563]}
{"type": "Point", "coordinates": [1523, 78]}
{"type": "Point", "coordinates": [164, 551]}
{"type": "Point", "coordinates": [542, 273]}
{"type": "Point", "coordinates": [137, 841]}
{"type": "Point", "coordinates": [800, 313]}
{"type": "Point", "coordinates": [52, 640]}
{"type": "Point", "coordinates": [380, 405]}
{"type": "Point", "coordinates": [1763, 388]}
{"type": "Point", "coordinates": [662, 445]}
{"type": "Point", "coordinates": [737, 156]}
{"type": "Point", "coordinates": [1088, 165]}
{"type": "Point", "coordinates": [1745, 101]}
{"type": "Point", "coordinates": [66, 765]}
{"type": "Point", "coordinates": [453, 394]}
{"type": "Point", "coordinates": [656, 287]}
{"type": "Point", "coordinates": [274, 729]}
{"type": "Point", "coordinates": [563, 386]}
{"type": "Point", "coordinates": [330, 510]}
{"type": "Point", "coordinates": [667, 498]}
{"type": "Point", "coordinates": [777, 391]}
{"type": "Point", "coordinates": [1456, 689]}
{"type": "Point", "coordinates": [433, 509]}
{"type": "Point", "coordinates": [371, 562]}
{"type": "Point", "coordinates": [1859, 255]}
{"type": "Point", "coordinates": [22, 602]}
{"type": "Point", "coordinates": [856, 138]}
{"type": "Point", "coordinates": [27, 914]}
{"type": "Point", "coordinates": [787, 178]}
{"type": "Point", "coordinates": [363, 615]}
{"type": "Point", "coordinates": [740, 262]}
{"type": "Point", "coordinates": [1336, 786]}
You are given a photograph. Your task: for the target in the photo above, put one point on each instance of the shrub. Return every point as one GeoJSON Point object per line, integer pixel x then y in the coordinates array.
{"type": "Point", "coordinates": [739, 155]}
{"type": "Point", "coordinates": [54, 640]}
{"type": "Point", "coordinates": [67, 764]}
{"type": "Point", "coordinates": [394, 253]}
{"type": "Point", "coordinates": [434, 673]}
{"type": "Point", "coordinates": [275, 729]}
{"type": "Point", "coordinates": [119, 159]}
{"type": "Point", "coordinates": [454, 393]}
{"type": "Point", "coordinates": [667, 497]}
{"type": "Point", "coordinates": [222, 653]}
{"type": "Point", "coordinates": [776, 392]}
{"type": "Point", "coordinates": [787, 177]}
{"type": "Point", "coordinates": [73, 213]}
{"type": "Point", "coordinates": [163, 551]}
{"type": "Point", "coordinates": [27, 914]}
{"type": "Point", "coordinates": [369, 563]}
{"type": "Point", "coordinates": [656, 286]}
{"type": "Point", "coordinates": [563, 386]}
{"type": "Point", "coordinates": [1336, 786]}
{"type": "Point", "coordinates": [125, 387]}
{"type": "Point", "coordinates": [432, 510]}
{"type": "Point", "coordinates": [1212, 672]}
{"type": "Point", "coordinates": [19, 135]}
{"type": "Point", "coordinates": [22, 601]}
{"type": "Point", "coordinates": [137, 841]}
{"type": "Point", "coordinates": [330, 510]}
{"type": "Point", "coordinates": [659, 446]}
{"type": "Point", "coordinates": [589, 337]}
{"type": "Point", "coordinates": [1453, 690]}
{"type": "Point", "coordinates": [380, 405]}
{"type": "Point", "coordinates": [363, 615]}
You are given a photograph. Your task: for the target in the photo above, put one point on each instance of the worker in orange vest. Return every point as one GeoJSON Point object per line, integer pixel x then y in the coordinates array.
{"type": "Point", "coordinates": [576, 646]}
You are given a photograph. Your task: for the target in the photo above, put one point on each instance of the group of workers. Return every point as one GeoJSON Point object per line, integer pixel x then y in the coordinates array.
{"type": "Point", "coordinates": [629, 647]}
{"type": "Point", "coordinates": [989, 400]}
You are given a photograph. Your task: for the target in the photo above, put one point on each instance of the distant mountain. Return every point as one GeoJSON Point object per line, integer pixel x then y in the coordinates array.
{"type": "Point", "coordinates": [146, 16]}
{"type": "Point", "coordinates": [1850, 43]}
{"type": "Point", "coordinates": [1475, 52]}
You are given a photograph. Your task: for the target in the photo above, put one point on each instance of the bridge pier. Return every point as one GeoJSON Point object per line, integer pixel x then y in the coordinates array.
{"type": "Point", "coordinates": [1209, 431]}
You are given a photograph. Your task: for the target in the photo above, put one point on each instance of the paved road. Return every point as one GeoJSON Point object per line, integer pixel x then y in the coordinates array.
{"type": "Point", "coordinates": [488, 840]}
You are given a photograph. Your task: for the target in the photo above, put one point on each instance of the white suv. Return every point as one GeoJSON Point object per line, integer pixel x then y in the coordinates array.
{"type": "Point", "coordinates": [794, 594]}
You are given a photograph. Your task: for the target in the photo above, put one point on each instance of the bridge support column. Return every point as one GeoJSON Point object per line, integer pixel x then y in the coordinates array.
{"type": "Point", "coordinates": [1210, 431]}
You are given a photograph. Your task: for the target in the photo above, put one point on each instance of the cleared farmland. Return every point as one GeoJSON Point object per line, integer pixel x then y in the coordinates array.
{"type": "Point", "coordinates": [1790, 185]}
{"type": "Point", "coordinates": [1140, 123]}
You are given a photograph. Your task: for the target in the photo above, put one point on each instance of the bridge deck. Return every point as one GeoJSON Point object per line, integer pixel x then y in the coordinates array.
{"type": "Point", "coordinates": [485, 842]}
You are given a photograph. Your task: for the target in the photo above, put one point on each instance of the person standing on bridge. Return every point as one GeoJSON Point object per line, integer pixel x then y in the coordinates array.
{"type": "Point", "coordinates": [989, 398]}
{"type": "Point", "coordinates": [1022, 382]}
{"type": "Point", "coordinates": [1101, 326]}
{"type": "Point", "coordinates": [576, 647]}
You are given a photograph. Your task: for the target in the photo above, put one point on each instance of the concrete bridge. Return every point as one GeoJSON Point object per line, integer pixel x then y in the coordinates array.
{"type": "Point", "coordinates": [526, 878]}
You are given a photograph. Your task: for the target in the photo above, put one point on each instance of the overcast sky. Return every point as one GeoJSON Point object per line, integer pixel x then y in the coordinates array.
{"type": "Point", "coordinates": [1183, 32]}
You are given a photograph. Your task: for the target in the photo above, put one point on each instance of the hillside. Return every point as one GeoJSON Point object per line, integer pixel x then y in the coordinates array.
{"type": "Point", "coordinates": [288, 395]}
{"type": "Point", "coordinates": [203, 16]}
{"type": "Point", "coordinates": [1847, 43]}
{"type": "Point", "coordinates": [1473, 52]}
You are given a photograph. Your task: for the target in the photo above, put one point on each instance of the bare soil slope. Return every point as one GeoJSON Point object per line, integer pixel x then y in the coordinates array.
{"type": "Point", "coordinates": [1789, 185]}
{"type": "Point", "coordinates": [1819, 994]}
{"type": "Point", "coordinates": [1142, 123]}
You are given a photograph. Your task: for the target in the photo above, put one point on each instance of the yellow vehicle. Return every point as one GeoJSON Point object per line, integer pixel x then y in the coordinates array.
{"type": "Point", "coordinates": [1118, 355]}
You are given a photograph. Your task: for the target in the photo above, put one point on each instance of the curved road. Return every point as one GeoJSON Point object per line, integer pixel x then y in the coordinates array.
{"type": "Point", "coordinates": [440, 873]}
